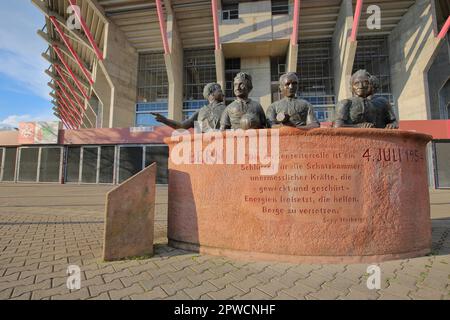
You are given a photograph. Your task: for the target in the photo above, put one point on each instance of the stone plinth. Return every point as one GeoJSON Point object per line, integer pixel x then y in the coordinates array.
{"type": "Point", "coordinates": [130, 216]}
{"type": "Point", "coordinates": [340, 195]}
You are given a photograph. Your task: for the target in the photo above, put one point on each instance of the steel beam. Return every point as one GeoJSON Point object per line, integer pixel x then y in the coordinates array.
{"type": "Point", "coordinates": [356, 18]}
{"type": "Point", "coordinates": [86, 30]}
{"type": "Point", "coordinates": [72, 51]}
{"type": "Point", "coordinates": [294, 37]}
{"type": "Point", "coordinates": [66, 65]}
{"type": "Point", "coordinates": [445, 29]}
{"type": "Point", "coordinates": [162, 26]}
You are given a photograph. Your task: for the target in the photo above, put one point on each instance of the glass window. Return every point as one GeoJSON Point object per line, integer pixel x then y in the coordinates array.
{"type": "Point", "coordinates": [372, 55]}
{"type": "Point", "coordinates": [153, 84]}
{"type": "Point", "coordinates": [28, 165]}
{"type": "Point", "coordinates": [50, 165]}
{"type": "Point", "coordinates": [130, 162]}
{"type": "Point", "coordinates": [89, 166]}
{"type": "Point", "coordinates": [232, 68]}
{"type": "Point", "coordinates": [230, 11]}
{"type": "Point", "coordinates": [199, 70]}
{"type": "Point", "coordinates": [280, 7]}
{"type": "Point", "coordinates": [107, 164]}
{"type": "Point", "coordinates": [442, 153]}
{"type": "Point", "coordinates": [147, 120]}
{"type": "Point", "coordinates": [153, 87]}
{"type": "Point", "coordinates": [9, 166]}
{"type": "Point", "coordinates": [160, 155]}
{"type": "Point", "coordinates": [73, 164]}
{"type": "Point", "coordinates": [315, 72]}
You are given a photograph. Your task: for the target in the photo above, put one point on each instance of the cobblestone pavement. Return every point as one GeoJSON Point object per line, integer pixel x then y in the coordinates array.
{"type": "Point", "coordinates": [43, 229]}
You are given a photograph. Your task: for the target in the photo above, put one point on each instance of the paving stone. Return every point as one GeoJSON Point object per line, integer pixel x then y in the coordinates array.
{"type": "Point", "coordinates": [81, 294]}
{"type": "Point", "coordinates": [128, 281]}
{"type": "Point", "coordinates": [96, 290]}
{"type": "Point", "coordinates": [221, 282]}
{"type": "Point", "coordinates": [254, 294]}
{"type": "Point", "coordinates": [20, 288]}
{"type": "Point", "coordinates": [156, 293]}
{"type": "Point", "coordinates": [196, 292]}
{"type": "Point", "coordinates": [173, 288]}
{"type": "Point", "coordinates": [273, 287]}
{"type": "Point", "coordinates": [246, 284]}
{"type": "Point", "coordinates": [126, 292]}
{"type": "Point", "coordinates": [150, 284]}
{"type": "Point", "coordinates": [197, 279]}
{"type": "Point", "coordinates": [327, 293]}
{"type": "Point", "coordinates": [298, 291]}
{"type": "Point", "coordinates": [226, 293]}
{"type": "Point", "coordinates": [427, 294]}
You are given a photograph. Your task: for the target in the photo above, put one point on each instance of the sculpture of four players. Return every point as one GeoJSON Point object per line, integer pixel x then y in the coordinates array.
{"type": "Point", "coordinates": [363, 110]}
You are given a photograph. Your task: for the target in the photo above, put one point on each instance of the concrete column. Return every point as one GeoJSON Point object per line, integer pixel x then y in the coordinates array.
{"type": "Point", "coordinates": [344, 51]}
{"type": "Point", "coordinates": [412, 48]}
{"type": "Point", "coordinates": [291, 58]}
{"type": "Point", "coordinates": [220, 68]}
{"type": "Point", "coordinates": [174, 66]}
{"type": "Point", "coordinates": [259, 69]}
{"type": "Point", "coordinates": [118, 92]}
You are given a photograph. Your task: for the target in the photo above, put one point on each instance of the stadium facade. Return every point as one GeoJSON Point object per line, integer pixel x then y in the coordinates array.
{"type": "Point", "coordinates": [114, 61]}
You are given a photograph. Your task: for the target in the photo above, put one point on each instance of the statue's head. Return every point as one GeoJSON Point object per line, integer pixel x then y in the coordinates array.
{"type": "Point", "coordinates": [289, 84]}
{"type": "Point", "coordinates": [213, 92]}
{"type": "Point", "coordinates": [361, 85]}
{"type": "Point", "coordinates": [242, 85]}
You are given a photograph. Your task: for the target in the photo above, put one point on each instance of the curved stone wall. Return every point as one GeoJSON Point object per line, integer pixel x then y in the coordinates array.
{"type": "Point", "coordinates": [337, 195]}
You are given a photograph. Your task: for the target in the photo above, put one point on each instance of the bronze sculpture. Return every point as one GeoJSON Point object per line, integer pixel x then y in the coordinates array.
{"type": "Point", "coordinates": [208, 116]}
{"type": "Point", "coordinates": [291, 111]}
{"type": "Point", "coordinates": [243, 113]}
{"type": "Point", "coordinates": [364, 110]}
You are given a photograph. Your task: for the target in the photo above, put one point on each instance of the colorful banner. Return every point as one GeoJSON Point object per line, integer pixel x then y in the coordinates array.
{"type": "Point", "coordinates": [38, 132]}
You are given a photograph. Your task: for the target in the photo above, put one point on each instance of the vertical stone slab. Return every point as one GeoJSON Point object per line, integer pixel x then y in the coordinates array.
{"type": "Point", "coordinates": [130, 217]}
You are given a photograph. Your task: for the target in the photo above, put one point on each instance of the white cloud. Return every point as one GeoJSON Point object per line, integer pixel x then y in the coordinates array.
{"type": "Point", "coordinates": [13, 120]}
{"type": "Point", "coordinates": [21, 47]}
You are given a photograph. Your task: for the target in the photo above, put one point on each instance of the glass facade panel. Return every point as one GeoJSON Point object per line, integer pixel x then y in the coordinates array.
{"type": "Point", "coordinates": [50, 165]}
{"type": "Point", "coordinates": [153, 87]}
{"type": "Point", "coordinates": [442, 156]}
{"type": "Point", "coordinates": [89, 167]}
{"type": "Point", "coordinates": [9, 166]}
{"type": "Point", "coordinates": [315, 72]}
{"type": "Point", "coordinates": [199, 70]}
{"type": "Point", "coordinates": [73, 164]}
{"type": "Point", "coordinates": [130, 162]}
{"type": "Point", "coordinates": [107, 165]}
{"type": "Point", "coordinates": [232, 68]}
{"type": "Point", "coordinates": [280, 7]}
{"type": "Point", "coordinates": [160, 155]}
{"type": "Point", "coordinates": [28, 165]}
{"type": "Point", "coordinates": [147, 120]}
{"type": "Point", "coordinates": [230, 11]}
{"type": "Point", "coordinates": [372, 55]}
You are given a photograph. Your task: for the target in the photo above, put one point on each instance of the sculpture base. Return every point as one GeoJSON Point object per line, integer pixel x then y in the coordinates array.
{"type": "Point", "coordinates": [335, 196]}
{"type": "Point", "coordinates": [260, 256]}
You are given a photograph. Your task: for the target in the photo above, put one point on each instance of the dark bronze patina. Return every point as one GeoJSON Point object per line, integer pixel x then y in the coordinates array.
{"type": "Point", "coordinates": [364, 109]}
{"type": "Point", "coordinates": [291, 111]}
{"type": "Point", "coordinates": [208, 117]}
{"type": "Point", "coordinates": [243, 113]}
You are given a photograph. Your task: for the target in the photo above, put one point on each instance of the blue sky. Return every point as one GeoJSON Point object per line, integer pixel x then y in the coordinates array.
{"type": "Point", "coordinates": [23, 83]}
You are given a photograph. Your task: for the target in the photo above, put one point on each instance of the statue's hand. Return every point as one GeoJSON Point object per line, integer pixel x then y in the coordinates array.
{"type": "Point", "coordinates": [158, 117]}
{"type": "Point", "coordinates": [391, 126]}
{"type": "Point", "coordinates": [366, 125]}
